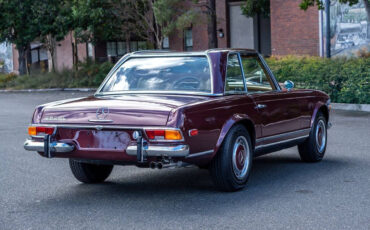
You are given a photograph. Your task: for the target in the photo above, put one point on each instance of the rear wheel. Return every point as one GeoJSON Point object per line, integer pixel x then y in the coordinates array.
{"type": "Point", "coordinates": [90, 173]}
{"type": "Point", "coordinates": [231, 166]}
{"type": "Point", "coordinates": [313, 149]}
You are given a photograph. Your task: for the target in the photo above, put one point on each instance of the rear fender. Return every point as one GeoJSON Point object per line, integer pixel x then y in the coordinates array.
{"type": "Point", "coordinates": [236, 118]}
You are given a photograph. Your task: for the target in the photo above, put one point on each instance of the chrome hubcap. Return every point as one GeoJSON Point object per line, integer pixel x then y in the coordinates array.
{"type": "Point", "coordinates": [320, 136]}
{"type": "Point", "coordinates": [241, 157]}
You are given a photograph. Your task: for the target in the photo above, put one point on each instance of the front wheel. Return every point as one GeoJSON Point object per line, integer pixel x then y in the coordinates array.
{"type": "Point", "coordinates": [313, 149]}
{"type": "Point", "coordinates": [231, 166]}
{"type": "Point", "coordinates": [90, 173]}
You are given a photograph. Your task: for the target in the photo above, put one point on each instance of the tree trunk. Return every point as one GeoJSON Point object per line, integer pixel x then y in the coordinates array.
{"type": "Point", "coordinates": [75, 54]}
{"type": "Point", "coordinates": [128, 45]}
{"type": "Point", "coordinates": [22, 61]}
{"type": "Point", "coordinates": [367, 7]}
{"type": "Point", "coordinates": [28, 59]}
{"type": "Point", "coordinates": [212, 25]}
{"type": "Point", "coordinates": [51, 48]}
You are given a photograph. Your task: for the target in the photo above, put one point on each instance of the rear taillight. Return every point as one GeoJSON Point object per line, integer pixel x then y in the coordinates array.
{"type": "Point", "coordinates": [40, 131]}
{"type": "Point", "coordinates": [164, 135]}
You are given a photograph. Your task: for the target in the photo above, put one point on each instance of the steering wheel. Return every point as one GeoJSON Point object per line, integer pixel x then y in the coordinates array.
{"type": "Point", "coordinates": [187, 83]}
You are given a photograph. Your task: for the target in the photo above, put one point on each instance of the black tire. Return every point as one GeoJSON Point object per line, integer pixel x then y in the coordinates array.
{"type": "Point", "coordinates": [313, 150]}
{"type": "Point", "coordinates": [90, 173]}
{"type": "Point", "coordinates": [222, 167]}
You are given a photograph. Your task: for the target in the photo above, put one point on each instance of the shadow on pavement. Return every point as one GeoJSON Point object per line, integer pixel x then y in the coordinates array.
{"type": "Point", "coordinates": [189, 189]}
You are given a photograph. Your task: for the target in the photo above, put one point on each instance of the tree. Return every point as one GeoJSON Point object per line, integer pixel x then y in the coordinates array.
{"type": "Point", "coordinates": [162, 17]}
{"type": "Point", "coordinates": [250, 8]}
{"type": "Point", "coordinates": [92, 21]}
{"type": "Point", "coordinates": [54, 21]}
{"type": "Point", "coordinates": [18, 26]}
{"type": "Point", "coordinates": [127, 22]}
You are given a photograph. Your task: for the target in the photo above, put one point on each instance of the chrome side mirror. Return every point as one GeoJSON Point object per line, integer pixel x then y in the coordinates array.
{"type": "Point", "coordinates": [289, 85]}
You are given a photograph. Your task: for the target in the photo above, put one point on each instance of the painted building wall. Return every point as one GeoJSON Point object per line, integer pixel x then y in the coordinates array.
{"type": "Point", "coordinates": [64, 53]}
{"type": "Point", "coordinates": [6, 58]}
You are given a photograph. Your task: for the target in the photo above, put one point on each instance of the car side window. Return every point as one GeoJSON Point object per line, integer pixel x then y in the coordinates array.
{"type": "Point", "coordinates": [234, 76]}
{"type": "Point", "coordinates": [255, 76]}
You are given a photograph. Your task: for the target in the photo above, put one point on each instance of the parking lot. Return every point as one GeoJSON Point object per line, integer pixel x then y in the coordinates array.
{"type": "Point", "coordinates": [282, 193]}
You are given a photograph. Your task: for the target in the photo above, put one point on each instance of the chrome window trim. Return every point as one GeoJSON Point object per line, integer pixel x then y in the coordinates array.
{"type": "Point", "coordinates": [159, 93]}
{"type": "Point", "coordinates": [268, 70]}
{"type": "Point", "coordinates": [241, 68]}
{"type": "Point", "coordinates": [167, 55]}
{"type": "Point", "coordinates": [270, 73]}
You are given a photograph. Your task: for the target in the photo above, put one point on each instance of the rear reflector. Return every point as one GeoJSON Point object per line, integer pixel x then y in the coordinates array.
{"type": "Point", "coordinates": [159, 135]}
{"type": "Point", "coordinates": [36, 131]}
{"type": "Point", "coordinates": [193, 132]}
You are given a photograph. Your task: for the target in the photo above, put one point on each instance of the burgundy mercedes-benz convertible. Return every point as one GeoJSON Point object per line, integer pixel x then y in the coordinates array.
{"type": "Point", "coordinates": [215, 109]}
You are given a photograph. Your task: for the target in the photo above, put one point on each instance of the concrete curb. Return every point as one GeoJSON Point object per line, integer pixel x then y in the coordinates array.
{"type": "Point", "coordinates": [351, 107]}
{"type": "Point", "coordinates": [48, 90]}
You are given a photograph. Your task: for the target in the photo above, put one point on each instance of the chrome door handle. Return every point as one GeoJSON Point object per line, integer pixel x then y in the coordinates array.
{"type": "Point", "coordinates": [261, 106]}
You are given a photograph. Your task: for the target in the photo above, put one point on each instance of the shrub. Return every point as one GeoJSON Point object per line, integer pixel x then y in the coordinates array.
{"type": "Point", "coordinates": [5, 78]}
{"type": "Point", "coordinates": [345, 80]}
{"type": "Point", "coordinates": [89, 74]}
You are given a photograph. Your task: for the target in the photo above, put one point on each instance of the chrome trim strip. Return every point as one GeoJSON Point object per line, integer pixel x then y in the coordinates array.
{"type": "Point", "coordinates": [209, 152]}
{"type": "Point", "coordinates": [56, 147]}
{"type": "Point", "coordinates": [158, 92]}
{"type": "Point", "coordinates": [101, 121]}
{"type": "Point", "coordinates": [167, 55]}
{"type": "Point", "coordinates": [302, 131]}
{"type": "Point", "coordinates": [280, 142]}
{"type": "Point", "coordinates": [169, 151]}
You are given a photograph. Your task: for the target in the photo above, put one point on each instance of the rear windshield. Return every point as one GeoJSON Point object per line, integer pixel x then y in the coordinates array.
{"type": "Point", "coordinates": [161, 74]}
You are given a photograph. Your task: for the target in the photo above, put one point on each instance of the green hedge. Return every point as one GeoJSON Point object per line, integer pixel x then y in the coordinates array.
{"type": "Point", "coordinates": [345, 80]}
{"type": "Point", "coordinates": [89, 74]}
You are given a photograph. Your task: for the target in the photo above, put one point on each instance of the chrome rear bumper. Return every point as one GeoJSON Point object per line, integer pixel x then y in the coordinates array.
{"type": "Point", "coordinates": [157, 151]}
{"type": "Point", "coordinates": [56, 147]}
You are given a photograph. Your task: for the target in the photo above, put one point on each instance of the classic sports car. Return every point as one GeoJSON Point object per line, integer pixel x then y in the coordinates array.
{"type": "Point", "coordinates": [215, 109]}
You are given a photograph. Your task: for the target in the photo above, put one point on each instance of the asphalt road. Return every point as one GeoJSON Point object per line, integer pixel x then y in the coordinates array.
{"type": "Point", "coordinates": [283, 192]}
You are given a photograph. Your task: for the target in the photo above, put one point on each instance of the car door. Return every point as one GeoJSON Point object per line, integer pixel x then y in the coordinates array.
{"type": "Point", "coordinates": [279, 111]}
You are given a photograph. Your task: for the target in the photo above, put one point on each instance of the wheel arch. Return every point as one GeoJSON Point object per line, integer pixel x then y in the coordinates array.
{"type": "Point", "coordinates": [323, 108]}
{"type": "Point", "coordinates": [237, 120]}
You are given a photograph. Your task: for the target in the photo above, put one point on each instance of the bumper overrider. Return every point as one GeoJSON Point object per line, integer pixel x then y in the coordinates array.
{"type": "Point", "coordinates": [142, 149]}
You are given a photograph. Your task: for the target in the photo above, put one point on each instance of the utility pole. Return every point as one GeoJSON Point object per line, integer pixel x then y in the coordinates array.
{"type": "Point", "coordinates": [327, 13]}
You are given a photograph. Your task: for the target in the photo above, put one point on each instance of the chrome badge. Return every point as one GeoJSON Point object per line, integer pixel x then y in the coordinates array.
{"type": "Point", "coordinates": [102, 113]}
{"type": "Point", "coordinates": [54, 118]}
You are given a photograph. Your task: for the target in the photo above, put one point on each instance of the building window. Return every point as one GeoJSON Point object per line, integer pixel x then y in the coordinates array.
{"type": "Point", "coordinates": [188, 39]}
{"type": "Point", "coordinates": [166, 43]}
{"type": "Point", "coordinates": [112, 49]}
{"type": "Point", "coordinates": [121, 48]}
{"type": "Point", "coordinates": [141, 45]}
{"type": "Point", "coordinates": [118, 49]}
{"type": "Point", "coordinates": [133, 46]}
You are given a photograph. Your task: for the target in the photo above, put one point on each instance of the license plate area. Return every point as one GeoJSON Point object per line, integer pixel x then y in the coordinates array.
{"type": "Point", "coordinates": [100, 139]}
